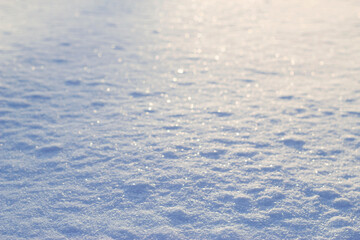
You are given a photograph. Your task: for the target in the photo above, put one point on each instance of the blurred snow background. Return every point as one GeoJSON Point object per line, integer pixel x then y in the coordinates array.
{"type": "Point", "coordinates": [179, 119]}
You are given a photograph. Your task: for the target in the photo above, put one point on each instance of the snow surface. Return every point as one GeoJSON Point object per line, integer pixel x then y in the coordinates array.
{"type": "Point", "coordinates": [180, 119]}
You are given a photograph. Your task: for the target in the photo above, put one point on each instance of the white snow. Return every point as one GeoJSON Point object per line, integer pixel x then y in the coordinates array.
{"type": "Point", "coordinates": [180, 119]}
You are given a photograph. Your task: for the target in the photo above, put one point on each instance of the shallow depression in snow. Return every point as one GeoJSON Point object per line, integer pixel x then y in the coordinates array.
{"type": "Point", "coordinates": [179, 120]}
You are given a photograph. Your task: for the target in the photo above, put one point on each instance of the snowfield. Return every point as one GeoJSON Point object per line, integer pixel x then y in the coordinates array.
{"type": "Point", "coordinates": [180, 119]}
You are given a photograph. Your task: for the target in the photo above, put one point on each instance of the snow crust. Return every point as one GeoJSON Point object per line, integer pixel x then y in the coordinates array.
{"type": "Point", "coordinates": [179, 119]}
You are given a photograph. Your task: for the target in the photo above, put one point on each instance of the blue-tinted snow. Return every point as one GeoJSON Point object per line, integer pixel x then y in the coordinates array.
{"type": "Point", "coordinates": [179, 119]}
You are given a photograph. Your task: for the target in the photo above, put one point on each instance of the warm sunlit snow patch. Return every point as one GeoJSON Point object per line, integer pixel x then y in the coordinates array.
{"type": "Point", "coordinates": [179, 119]}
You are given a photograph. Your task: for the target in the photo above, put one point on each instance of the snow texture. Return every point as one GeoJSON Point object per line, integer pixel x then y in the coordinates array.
{"type": "Point", "coordinates": [180, 119]}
